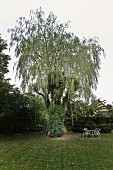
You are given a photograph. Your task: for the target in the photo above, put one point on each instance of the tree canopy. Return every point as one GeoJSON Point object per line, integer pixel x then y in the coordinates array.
{"type": "Point", "coordinates": [53, 59]}
{"type": "Point", "coordinates": [4, 59]}
{"type": "Point", "coordinates": [5, 87]}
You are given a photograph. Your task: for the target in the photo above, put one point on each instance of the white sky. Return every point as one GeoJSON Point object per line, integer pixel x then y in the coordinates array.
{"type": "Point", "coordinates": [88, 18]}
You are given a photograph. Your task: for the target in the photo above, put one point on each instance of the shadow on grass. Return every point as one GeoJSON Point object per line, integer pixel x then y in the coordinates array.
{"type": "Point", "coordinates": [22, 136]}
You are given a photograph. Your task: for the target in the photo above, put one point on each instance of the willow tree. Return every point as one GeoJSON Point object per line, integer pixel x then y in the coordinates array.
{"type": "Point", "coordinates": [52, 61]}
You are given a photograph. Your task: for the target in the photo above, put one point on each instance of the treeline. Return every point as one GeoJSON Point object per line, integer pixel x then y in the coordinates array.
{"type": "Point", "coordinates": [27, 112]}
{"type": "Point", "coordinates": [18, 112]}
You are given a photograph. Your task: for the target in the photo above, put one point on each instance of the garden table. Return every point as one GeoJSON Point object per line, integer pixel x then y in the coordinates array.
{"type": "Point", "coordinates": [91, 132]}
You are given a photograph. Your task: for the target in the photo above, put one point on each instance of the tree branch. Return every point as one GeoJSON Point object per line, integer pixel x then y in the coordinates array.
{"type": "Point", "coordinates": [46, 98]}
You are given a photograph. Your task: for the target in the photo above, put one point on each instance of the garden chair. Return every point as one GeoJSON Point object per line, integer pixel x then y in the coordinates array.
{"type": "Point", "coordinates": [85, 132]}
{"type": "Point", "coordinates": [97, 132]}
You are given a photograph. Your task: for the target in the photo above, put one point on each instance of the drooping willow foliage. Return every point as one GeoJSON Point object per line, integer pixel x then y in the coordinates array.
{"type": "Point", "coordinates": [52, 60]}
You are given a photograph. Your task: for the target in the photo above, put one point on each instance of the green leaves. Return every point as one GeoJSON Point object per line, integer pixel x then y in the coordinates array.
{"type": "Point", "coordinates": [44, 45]}
{"type": "Point", "coordinates": [4, 59]}
{"type": "Point", "coordinates": [56, 121]}
{"type": "Point", "coordinates": [5, 87]}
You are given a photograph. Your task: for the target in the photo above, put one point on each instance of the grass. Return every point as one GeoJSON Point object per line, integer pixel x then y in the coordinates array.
{"type": "Point", "coordinates": [34, 151]}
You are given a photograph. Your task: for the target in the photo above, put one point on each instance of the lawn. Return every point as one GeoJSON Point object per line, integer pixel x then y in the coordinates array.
{"type": "Point", "coordinates": [72, 152]}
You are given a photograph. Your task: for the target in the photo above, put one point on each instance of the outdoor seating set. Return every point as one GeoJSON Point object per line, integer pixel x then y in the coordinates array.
{"type": "Point", "coordinates": [91, 133]}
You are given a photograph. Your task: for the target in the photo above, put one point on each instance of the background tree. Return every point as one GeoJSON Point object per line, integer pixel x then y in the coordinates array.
{"type": "Point", "coordinates": [18, 112]}
{"type": "Point", "coordinates": [4, 59]}
{"type": "Point", "coordinates": [53, 61]}
{"type": "Point", "coordinates": [5, 86]}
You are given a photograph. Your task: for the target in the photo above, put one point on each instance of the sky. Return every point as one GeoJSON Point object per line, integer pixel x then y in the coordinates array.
{"type": "Point", "coordinates": [88, 18]}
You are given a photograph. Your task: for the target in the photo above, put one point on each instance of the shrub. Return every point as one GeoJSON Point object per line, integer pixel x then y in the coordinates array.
{"type": "Point", "coordinates": [90, 125]}
{"type": "Point", "coordinates": [112, 131]}
{"type": "Point", "coordinates": [106, 127]}
{"type": "Point", "coordinates": [56, 121]}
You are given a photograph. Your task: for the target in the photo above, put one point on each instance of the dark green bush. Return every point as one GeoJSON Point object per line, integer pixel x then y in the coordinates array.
{"type": "Point", "coordinates": [6, 125]}
{"type": "Point", "coordinates": [21, 121]}
{"type": "Point", "coordinates": [105, 123]}
{"type": "Point", "coordinates": [90, 125]}
{"type": "Point", "coordinates": [106, 127]}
